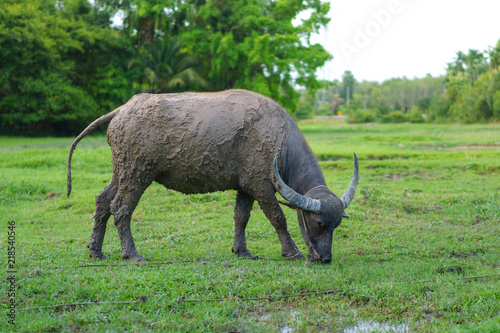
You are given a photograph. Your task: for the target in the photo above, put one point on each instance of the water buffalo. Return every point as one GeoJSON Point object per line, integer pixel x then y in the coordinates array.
{"type": "Point", "coordinates": [206, 142]}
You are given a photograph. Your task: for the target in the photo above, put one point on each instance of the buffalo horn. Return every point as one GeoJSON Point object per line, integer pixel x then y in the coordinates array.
{"type": "Point", "coordinates": [351, 190]}
{"type": "Point", "coordinates": [294, 198]}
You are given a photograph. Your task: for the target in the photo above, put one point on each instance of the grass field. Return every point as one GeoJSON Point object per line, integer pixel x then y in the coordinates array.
{"type": "Point", "coordinates": [420, 252]}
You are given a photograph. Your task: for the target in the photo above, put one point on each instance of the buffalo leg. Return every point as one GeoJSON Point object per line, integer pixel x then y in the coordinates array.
{"type": "Point", "coordinates": [101, 217]}
{"type": "Point", "coordinates": [275, 214]}
{"type": "Point", "coordinates": [244, 203]}
{"type": "Point", "coordinates": [122, 208]}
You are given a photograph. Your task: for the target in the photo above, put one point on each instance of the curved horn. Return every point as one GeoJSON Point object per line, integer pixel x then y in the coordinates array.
{"type": "Point", "coordinates": [294, 198]}
{"type": "Point", "coordinates": [351, 190]}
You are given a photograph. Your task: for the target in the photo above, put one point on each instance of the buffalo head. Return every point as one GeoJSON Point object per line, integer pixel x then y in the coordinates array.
{"type": "Point", "coordinates": [319, 212]}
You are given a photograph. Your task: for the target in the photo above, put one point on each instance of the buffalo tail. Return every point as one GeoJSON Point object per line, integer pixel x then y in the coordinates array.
{"type": "Point", "coordinates": [96, 123]}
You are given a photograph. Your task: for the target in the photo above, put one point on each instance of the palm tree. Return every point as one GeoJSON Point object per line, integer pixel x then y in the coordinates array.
{"type": "Point", "coordinates": [166, 68]}
{"type": "Point", "coordinates": [474, 59]}
{"type": "Point", "coordinates": [494, 54]}
{"type": "Point", "coordinates": [459, 61]}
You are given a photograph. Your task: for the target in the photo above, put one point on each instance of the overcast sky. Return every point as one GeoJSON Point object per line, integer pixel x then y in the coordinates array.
{"type": "Point", "coordinates": [381, 39]}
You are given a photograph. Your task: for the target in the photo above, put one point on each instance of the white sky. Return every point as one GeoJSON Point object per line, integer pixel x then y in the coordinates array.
{"type": "Point", "coordinates": [381, 39]}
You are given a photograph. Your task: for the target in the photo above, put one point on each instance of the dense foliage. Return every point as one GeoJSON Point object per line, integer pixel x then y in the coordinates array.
{"type": "Point", "coordinates": [61, 66]}
{"type": "Point", "coordinates": [63, 63]}
{"type": "Point", "coordinates": [469, 92]}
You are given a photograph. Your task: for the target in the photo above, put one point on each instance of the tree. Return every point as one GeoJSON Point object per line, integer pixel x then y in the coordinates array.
{"type": "Point", "coordinates": [472, 64]}
{"type": "Point", "coordinates": [60, 67]}
{"type": "Point", "coordinates": [439, 108]}
{"type": "Point", "coordinates": [475, 64]}
{"type": "Point", "coordinates": [494, 55]}
{"type": "Point", "coordinates": [257, 45]}
{"type": "Point", "coordinates": [165, 68]}
{"type": "Point", "coordinates": [457, 66]}
{"type": "Point", "coordinates": [470, 94]}
{"type": "Point", "coordinates": [347, 87]}
{"type": "Point", "coordinates": [305, 105]}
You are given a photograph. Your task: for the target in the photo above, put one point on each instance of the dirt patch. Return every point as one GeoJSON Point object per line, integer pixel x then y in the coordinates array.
{"type": "Point", "coordinates": [430, 315]}
{"type": "Point", "coordinates": [478, 220]}
{"type": "Point", "coordinates": [387, 157]}
{"type": "Point", "coordinates": [460, 255]}
{"type": "Point", "coordinates": [52, 195]}
{"type": "Point", "coordinates": [410, 209]}
{"type": "Point", "coordinates": [494, 265]}
{"type": "Point", "coordinates": [454, 269]}
{"type": "Point", "coordinates": [398, 176]}
{"type": "Point", "coordinates": [395, 175]}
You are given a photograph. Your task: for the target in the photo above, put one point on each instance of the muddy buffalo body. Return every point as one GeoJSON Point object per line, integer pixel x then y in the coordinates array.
{"type": "Point", "coordinates": [206, 142]}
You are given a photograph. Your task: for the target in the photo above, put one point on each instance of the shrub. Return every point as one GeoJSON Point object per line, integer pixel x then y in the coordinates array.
{"type": "Point", "coordinates": [395, 117]}
{"type": "Point", "coordinates": [362, 116]}
{"type": "Point", "coordinates": [415, 116]}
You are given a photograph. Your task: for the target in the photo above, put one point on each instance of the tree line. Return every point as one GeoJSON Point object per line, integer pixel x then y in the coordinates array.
{"type": "Point", "coordinates": [468, 93]}
{"type": "Point", "coordinates": [65, 62]}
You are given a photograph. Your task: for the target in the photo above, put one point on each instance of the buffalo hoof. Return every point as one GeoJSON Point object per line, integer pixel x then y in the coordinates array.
{"type": "Point", "coordinates": [249, 256]}
{"type": "Point", "coordinates": [97, 255]}
{"type": "Point", "coordinates": [244, 254]}
{"type": "Point", "coordinates": [291, 252]}
{"type": "Point", "coordinates": [134, 257]}
{"type": "Point", "coordinates": [295, 256]}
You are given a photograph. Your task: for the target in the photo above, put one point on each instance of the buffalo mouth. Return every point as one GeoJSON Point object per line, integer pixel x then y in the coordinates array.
{"type": "Point", "coordinates": [315, 258]}
{"type": "Point", "coordinates": [324, 261]}
{"type": "Point", "coordinates": [319, 261]}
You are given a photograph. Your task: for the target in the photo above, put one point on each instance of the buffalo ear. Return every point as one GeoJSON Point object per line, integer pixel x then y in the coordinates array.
{"type": "Point", "coordinates": [344, 215]}
{"type": "Point", "coordinates": [287, 204]}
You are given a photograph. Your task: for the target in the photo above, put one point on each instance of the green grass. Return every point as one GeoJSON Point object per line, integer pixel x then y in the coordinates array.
{"type": "Point", "coordinates": [425, 219]}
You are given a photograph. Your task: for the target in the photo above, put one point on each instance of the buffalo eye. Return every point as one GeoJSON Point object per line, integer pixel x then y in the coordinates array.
{"type": "Point", "coordinates": [322, 223]}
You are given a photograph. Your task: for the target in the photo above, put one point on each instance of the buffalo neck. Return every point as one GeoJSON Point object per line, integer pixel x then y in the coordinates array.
{"type": "Point", "coordinates": [301, 169]}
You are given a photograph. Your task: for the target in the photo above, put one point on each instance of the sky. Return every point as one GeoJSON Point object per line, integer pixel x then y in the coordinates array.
{"type": "Point", "coordinates": [380, 39]}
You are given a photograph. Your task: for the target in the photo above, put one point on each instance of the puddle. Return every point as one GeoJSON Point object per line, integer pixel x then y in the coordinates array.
{"type": "Point", "coordinates": [371, 326]}
{"type": "Point", "coordinates": [288, 322]}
